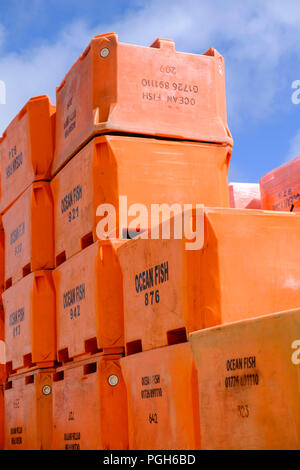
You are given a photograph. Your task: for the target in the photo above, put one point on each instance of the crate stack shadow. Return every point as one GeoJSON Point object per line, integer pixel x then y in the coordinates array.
{"type": "Point", "coordinates": [136, 341]}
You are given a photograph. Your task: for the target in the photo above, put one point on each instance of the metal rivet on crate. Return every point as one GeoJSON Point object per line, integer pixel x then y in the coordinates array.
{"type": "Point", "coordinates": [113, 380]}
{"type": "Point", "coordinates": [46, 389]}
{"type": "Point", "coordinates": [104, 52]}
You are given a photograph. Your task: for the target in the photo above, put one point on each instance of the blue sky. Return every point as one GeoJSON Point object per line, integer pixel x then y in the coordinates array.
{"type": "Point", "coordinates": [260, 41]}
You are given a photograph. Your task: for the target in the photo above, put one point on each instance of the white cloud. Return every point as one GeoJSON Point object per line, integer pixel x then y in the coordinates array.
{"type": "Point", "coordinates": [40, 70]}
{"type": "Point", "coordinates": [256, 37]}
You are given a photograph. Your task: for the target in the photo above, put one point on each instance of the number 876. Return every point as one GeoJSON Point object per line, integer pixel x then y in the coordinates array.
{"type": "Point", "coordinates": [152, 297]}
